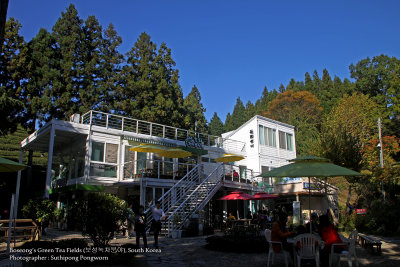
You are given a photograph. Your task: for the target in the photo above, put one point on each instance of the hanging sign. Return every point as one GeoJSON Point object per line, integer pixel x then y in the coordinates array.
{"type": "Point", "coordinates": [361, 211]}
{"type": "Point", "coordinates": [194, 142]}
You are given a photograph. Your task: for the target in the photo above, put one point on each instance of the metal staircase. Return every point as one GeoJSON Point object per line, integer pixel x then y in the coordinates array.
{"type": "Point", "coordinates": [196, 200]}
{"type": "Point", "coordinates": [177, 193]}
{"type": "Point", "coordinates": [187, 196]}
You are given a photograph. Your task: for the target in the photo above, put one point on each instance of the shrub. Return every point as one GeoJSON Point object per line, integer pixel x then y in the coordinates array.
{"type": "Point", "coordinates": [39, 210]}
{"type": "Point", "coordinates": [101, 218]}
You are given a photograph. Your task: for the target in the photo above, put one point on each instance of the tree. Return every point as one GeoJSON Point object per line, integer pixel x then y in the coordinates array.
{"type": "Point", "coordinates": [302, 110]}
{"type": "Point", "coordinates": [266, 97]}
{"type": "Point", "coordinates": [111, 71]}
{"type": "Point", "coordinates": [101, 217]}
{"type": "Point", "coordinates": [150, 88]}
{"type": "Point", "coordinates": [228, 123]}
{"type": "Point", "coordinates": [238, 116]}
{"type": "Point", "coordinates": [215, 127]}
{"type": "Point", "coordinates": [12, 75]}
{"type": "Point", "coordinates": [379, 77]}
{"type": "Point", "coordinates": [69, 38]}
{"type": "Point", "coordinates": [349, 127]}
{"type": "Point", "coordinates": [194, 111]}
{"type": "Point", "coordinates": [249, 111]}
{"type": "Point", "coordinates": [43, 68]}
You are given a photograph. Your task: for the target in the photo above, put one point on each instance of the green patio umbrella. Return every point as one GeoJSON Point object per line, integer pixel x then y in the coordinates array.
{"type": "Point", "coordinates": [7, 165]}
{"type": "Point", "coordinates": [310, 166]}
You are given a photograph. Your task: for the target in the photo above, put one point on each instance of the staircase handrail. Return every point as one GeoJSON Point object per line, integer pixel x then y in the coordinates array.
{"type": "Point", "coordinates": [189, 177]}
{"type": "Point", "coordinates": [195, 192]}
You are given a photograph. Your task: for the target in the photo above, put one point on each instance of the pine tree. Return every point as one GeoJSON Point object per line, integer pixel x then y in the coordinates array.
{"type": "Point", "coordinates": [69, 37]}
{"type": "Point", "coordinates": [238, 116]}
{"type": "Point", "coordinates": [228, 126]}
{"type": "Point", "coordinates": [12, 76]}
{"type": "Point", "coordinates": [111, 72]}
{"type": "Point", "coordinates": [150, 88]}
{"type": "Point", "coordinates": [262, 104]}
{"type": "Point", "coordinates": [43, 68]}
{"type": "Point", "coordinates": [249, 111]}
{"type": "Point", "coordinates": [194, 111]}
{"type": "Point", "coordinates": [215, 127]}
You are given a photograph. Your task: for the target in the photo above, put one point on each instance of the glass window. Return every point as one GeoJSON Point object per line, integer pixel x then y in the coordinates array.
{"type": "Point", "coordinates": [97, 151]}
{"type": "Point", "coordinates": [267, 136]}
{"type": "Point", "coordinates": [261, 134]}
{"type": "Point", "coordinates": [111, 153]}
{"type": "Point", "coordinates": [286, 141]}
{"type": "Point", "coordinates": [289, 142]}
{"type": "Point", "coordinates": [282, 140]}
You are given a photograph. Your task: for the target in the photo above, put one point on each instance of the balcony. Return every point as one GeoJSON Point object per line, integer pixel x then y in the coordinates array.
{"type": "Point", "coordinates": [111, 121]}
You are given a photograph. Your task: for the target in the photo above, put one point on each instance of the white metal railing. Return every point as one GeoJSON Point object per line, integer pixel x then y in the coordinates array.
{"type": "Point", "coordinates": [159, 169]}
{"type": "Point", "coordinates": [196, 200]}
{"type": "Point", "coordinates": [112, 121]}
{"type": "Point", "coordinates": [177, 192]}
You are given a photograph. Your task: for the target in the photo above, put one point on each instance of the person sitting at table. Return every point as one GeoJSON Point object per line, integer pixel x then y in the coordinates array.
{"type": "Point", "coordinates": [330, 235]}
{"type": "Point", "coordinates": [280, 233]}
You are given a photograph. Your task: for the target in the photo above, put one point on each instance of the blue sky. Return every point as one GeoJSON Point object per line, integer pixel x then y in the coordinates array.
{"type": "Point", "coordinates": [231, 49]}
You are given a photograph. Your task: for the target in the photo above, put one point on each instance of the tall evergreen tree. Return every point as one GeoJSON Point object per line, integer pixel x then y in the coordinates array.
{"type": "Point", "coordinates": [228, 126]}
{"type": "Point", "coordinates": [327, 92]}
{"type": "Point", "coordinates": [150, 88]}
{"type": "Point", "coordinates": [194, 112]}
{"type": "Point", "coordinates": [238, 116]}
{"type": "Point", "coordinates": [249, 111]}
{"type": "Point", "coordinates": [111, 72]}
{"type": "Point", "coordinates": [12, 76]}
{"type": "Point", "coordinates": [43, 68]}
{"type": "Point", "coordinates": [215, 127]}
{"type": "Point", "coordinates": [69, 37]}
{"type": "Point", "coordinates": [262, 104]}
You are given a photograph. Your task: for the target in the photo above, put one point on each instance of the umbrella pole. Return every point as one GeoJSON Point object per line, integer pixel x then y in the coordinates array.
{"type": "Point", "coordinates": [309, 203]}
{"type": "Point", "coordinates": [237, 209]}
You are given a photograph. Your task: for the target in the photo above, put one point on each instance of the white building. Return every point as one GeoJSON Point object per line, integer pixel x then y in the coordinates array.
{"type": "Point", "coordinates": [92, 152]}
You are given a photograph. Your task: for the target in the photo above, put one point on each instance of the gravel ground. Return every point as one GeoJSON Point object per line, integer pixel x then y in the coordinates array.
{"type": "Point", "coordinates": [191, 252]}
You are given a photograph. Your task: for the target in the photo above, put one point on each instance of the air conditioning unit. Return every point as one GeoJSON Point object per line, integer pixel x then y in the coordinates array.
{"type": "Point", "coordinates": [75, 118]}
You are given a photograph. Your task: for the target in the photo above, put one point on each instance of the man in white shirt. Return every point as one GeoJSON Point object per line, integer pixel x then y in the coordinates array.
{"type": "Point", "coordinates": [158, 214]}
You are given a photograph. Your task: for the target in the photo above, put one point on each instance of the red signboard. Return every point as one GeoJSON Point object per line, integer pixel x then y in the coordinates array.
{"type": "Point", "coordinates": [361, 211]}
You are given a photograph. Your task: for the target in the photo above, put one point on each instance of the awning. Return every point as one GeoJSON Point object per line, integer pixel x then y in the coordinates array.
{"type": "Point", "coordinates": [77, 187]}
{"type": "Point", "coordinates": [196, 151]}
{"type": "Point", "coordinates": [137, 141]}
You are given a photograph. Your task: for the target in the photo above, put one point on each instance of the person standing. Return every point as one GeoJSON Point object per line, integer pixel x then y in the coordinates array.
{"type": "Point", "coordinates": [140, 226]}
{"type": "Point", "coordinates": [158, 214]}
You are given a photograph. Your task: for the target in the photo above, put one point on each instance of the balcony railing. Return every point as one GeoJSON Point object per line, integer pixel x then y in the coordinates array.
{"type": "Point", "coordinates": [156, 169]}
{"type": "Point", "coordinates": [111, 121]}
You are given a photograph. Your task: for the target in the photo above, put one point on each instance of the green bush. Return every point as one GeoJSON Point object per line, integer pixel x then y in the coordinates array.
{"type": "Point", "coordinates": [101, 216]}
{"type": "Point", "coordinates": [39, 210]}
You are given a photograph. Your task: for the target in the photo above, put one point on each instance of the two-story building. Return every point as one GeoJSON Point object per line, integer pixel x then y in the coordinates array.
{"type": "Point", "coordinates": [97, 152]}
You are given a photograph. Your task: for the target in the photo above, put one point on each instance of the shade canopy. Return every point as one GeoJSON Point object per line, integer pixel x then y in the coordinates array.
{"type": "Point", "coordinates": [174, 153]}
{"type": "Point", "coordinates": [263, 195]}
{"type": "Point", "coordinates": [7, 165]}
{"type": "Point", "coordinates": [237, 195]}
{"type": "Point", "coordinates": [229, 158]}
{"type": "Point", "coordinates": [148, 148]}
{"type": "Point", "coordinates": [310, 166]}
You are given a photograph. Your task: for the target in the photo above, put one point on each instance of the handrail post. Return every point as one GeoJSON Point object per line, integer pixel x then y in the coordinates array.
{"type": "Point", "coordinates": [158, 164]}
{"type": "Point", "coordinates": [107, 121]}
{"type": "Point", "coordinates": [122, 123]}
{"type": "Point", "coordinates": [137, 126]}
{"type": "Point", "coordinates": [151, 128]}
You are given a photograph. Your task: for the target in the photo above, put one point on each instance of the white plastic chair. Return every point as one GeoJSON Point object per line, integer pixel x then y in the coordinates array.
{"type": "Point", "coordinates": [308, 248]}
{"type": "Point", "coordinates": [271, 252]}
{"type": "Point", "coordinates": [349, 252]}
